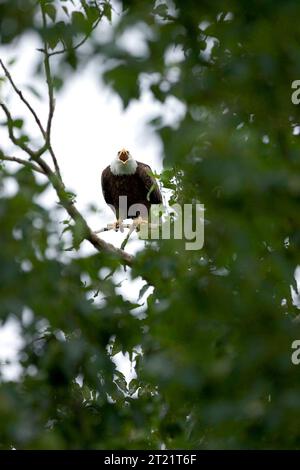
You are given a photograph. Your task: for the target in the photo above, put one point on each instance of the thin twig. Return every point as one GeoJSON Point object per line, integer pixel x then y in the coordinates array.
{"type": "Point", "coordinates": [14, 139]}
{"type": "Point", "coordinates": [132, 225]}
{"type": "Point", "coordinates": [47, 145]}
{"type": "Point", "coordinates": [27, 104]}
{"type": "Point", "coordinates": [107, 228]}
{"type": "Point", "coordinates": [50, 96]}
{"type": "Point", "coordinates": [11, 134]}
{"type": "Point", "coordinates": [22, 162]}
{"type": "Point", "coordinates": [125, 241]}
{"type": "Point", "coordinates": [73, 48]}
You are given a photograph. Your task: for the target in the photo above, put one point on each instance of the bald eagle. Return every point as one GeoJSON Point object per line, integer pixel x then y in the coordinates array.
{"type": "Point", "coordinates": [129, 188]}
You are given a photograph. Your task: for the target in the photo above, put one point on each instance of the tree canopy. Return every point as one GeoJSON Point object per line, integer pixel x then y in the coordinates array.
{"type": "Point", "coordinates": [213, 346]}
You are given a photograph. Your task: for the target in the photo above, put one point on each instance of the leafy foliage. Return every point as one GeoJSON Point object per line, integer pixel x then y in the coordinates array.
{"type": "Point", "coordinates": [215, 368]}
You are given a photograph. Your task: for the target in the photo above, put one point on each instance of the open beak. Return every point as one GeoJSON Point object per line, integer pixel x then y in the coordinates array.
{"type": "Point", "coordinates": [123, 156]}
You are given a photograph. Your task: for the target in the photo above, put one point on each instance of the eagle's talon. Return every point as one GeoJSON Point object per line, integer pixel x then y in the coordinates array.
{"type": "Point", "coordinates": [138, 222]}
{"type": "Point", "coordinates": [117, 225]}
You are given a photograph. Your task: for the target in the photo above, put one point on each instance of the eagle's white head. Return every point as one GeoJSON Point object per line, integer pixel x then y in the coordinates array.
{"type": "Point", "coordinates": [123, 164]}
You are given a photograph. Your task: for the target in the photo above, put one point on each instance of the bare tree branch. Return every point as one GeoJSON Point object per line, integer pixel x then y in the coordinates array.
{"type": "Point", "coordinates": [18, 142]}
{"type": "Point", "coordinates": [107, 228]}
{"type": "Point", "coordinates": [45, 134]}
{"type": "Point", "coordinates": [50, 96]}
{"type": "Point", "coordinates": [25, 101]}
{"type": "Point", "coordinates": [21, 161]}
{"type": "Point", "coordinates": [13, 138]}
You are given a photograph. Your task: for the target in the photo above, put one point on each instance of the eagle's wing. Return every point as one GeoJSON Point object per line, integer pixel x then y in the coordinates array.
{"type": "Point", "coordinates": [105, 183]}
{"type": "Point", "coordinates": [144, 172]}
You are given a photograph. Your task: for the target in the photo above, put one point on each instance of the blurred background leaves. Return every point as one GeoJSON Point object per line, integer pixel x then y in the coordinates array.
{"type": "Point", "coordinates": [212, 349]}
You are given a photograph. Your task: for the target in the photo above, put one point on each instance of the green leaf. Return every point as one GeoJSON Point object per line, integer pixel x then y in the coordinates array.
{"type": "Point", "coordinates": [52, 36]}
{"type": "Point", "coordinates": [107, 9]}
{"type": "Point", "coordinates": [24, 139]}
{"type": "Point", "coordinates": [120, 381]}
{"type": "Point", "coordinates": [124, 80]}
{"type": "Point", "coordinates": [78, 234]}
{"type": "Point", "coordinates": [65, 9]}
{"type": "Point", "coordinates": [161, 10]}
{"type": "Point", "coordinates": [18, 123]}
{"type": "Point", "coordinates": [57, 82]}
{"type": "Point", "coordinates": [133, 386]}
{"type": "Point", "coordinates": [143, 291]}
{"type": "Point", "coordinates": [117, 347]}
{"type": "Point", "coordinates": [12, 61]}
{"type": "Point", "coordinates": [50, 10]}
{"type": "Point", "coordinates": [80, 22]}
{"type": "Point", "coordinates": [34, 91]}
